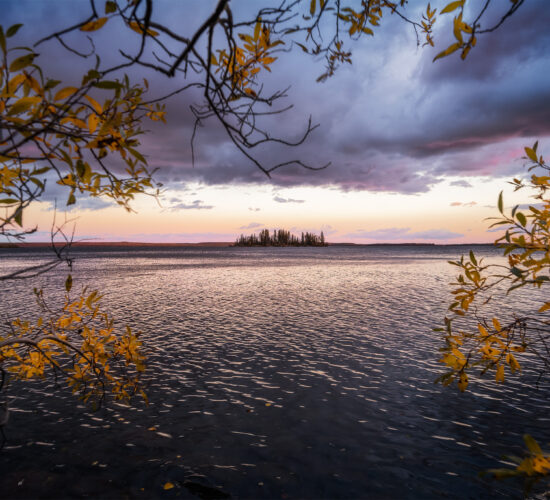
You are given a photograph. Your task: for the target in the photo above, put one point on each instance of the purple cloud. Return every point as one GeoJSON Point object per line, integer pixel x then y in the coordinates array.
{"type": "Point", "coordinates": [395, 233]}
{"type": "Point", "coordinates": [461, 204]}
{"type": "Point", "coordinates": [394, 121]}
{"type": "Point", "coordinates": [195, 205]}
{"type": "Point", "coordinates": [327, 229]}
{"type": "Point", "coordinates": [252, 225]}
{"type": "Point", "coordinates": [461, 183]}
{"type": "Point", "coordinates": [278, 199]}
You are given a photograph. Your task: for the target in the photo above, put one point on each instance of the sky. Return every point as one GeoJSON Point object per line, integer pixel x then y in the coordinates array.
{"type": "Point", "coordinates": [419, 150]}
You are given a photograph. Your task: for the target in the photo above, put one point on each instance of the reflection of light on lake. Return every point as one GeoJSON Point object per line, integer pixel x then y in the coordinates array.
{"type": "Point", "coordinates": [307, 370]}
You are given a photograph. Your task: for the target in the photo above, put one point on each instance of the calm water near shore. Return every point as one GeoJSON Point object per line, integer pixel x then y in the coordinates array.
{"type": "Point", "coordinates": [272, 373]}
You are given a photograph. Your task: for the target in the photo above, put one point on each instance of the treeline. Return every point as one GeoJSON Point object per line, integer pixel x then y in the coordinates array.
{"type": "Point", "coordinates": [281, 238]}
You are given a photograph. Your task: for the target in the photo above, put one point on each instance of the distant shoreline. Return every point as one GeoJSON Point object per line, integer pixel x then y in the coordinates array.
{"type": "Point", "coordinates": [219, 244]}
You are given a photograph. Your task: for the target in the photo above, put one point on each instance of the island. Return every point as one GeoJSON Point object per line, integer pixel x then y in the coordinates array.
{"type": "Point", "coordinates": [281, 238]}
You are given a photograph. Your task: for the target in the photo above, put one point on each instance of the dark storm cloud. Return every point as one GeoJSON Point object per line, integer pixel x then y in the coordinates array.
{"type": "Point", "coordinates": [449, 118]}
{"type": "Point", "coordinates": [523, 37]}
{"type": "Point", "coordinates": [394, 121]}
{"type": "Point", "coordinates": [498, 92]}
{"type": "Point", "coordinates": [376, 172]}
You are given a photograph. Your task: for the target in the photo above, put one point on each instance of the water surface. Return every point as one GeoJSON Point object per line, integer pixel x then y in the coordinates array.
{"type": "Point", "coordinates": [272, 373]}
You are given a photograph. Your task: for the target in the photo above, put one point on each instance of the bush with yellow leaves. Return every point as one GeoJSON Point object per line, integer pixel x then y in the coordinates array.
{"type": "Point", "coordinates": [493, 345]}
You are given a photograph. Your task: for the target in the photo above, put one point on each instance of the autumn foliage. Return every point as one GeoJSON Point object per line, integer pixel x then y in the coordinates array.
{"type": "Point", "coordinates": [495, 346]}
{"type": "Point", "coordinates": [80, 344]}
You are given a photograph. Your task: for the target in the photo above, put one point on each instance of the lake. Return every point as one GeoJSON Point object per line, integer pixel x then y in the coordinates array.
{"type": "Point", "coordinates": [272, 373]}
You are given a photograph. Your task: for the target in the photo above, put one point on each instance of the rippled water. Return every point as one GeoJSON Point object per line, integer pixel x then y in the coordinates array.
{"type": "Point", "coordinates": [273, 373]}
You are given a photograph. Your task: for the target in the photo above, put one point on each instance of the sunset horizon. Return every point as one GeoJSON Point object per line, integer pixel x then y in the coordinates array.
{"type": "Point", "coordinates": [386, 181]}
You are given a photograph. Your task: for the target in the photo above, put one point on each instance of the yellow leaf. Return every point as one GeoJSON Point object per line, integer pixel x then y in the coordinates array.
{"type": "Point", "coordinates": [75, 121]}
{"type": "Point", "coordinates": [512, 361]}
{"type": "Point", "coordinates": [14, 119]}
{"type": "Point", "coordinates": [463, 382]}
{"type": "Point", "coordinates": [138, 29]}
{"type": "Point", "coordinates": [69, 284]}
{"type": "Point", "coordinates": [496, 324]}
{"type": "Point", "coordinates": [457, 28]}
{"type": "Point", "coordinates": [452, 6]}
{"type": "Point", "coordinates": [531, 154]}
{"type": "Point", "coordinates": [458, 354]}
{"type": "Point", "coordinates": [14, 83]}
{"type": "Point", "coordinates": [22, 62]}
{"type": "Point", "coordinates": [64, 322]}
{"type": "Point", "coordinates": [64, 93]}
{"type": "Point", "coordinates": [22, 105]}
{"type": "Point", "coordinates": [95, 104]}
{"type": "Point", "coordinates": [94, 25]}
{"type": "Point", "coordinates": [482, 330]}
{"type": "Point", "coordinates": [93, 121]}
{"type": "Point", "coordinates": [449, 50]}
{"type": "Point", "coordinates": [544, 307]}
{"type": "Point", "coordinates": [312, 7]}
{"type": "Point", "coordinates": [532, 445]}
{"type": "Point", "coordinates": [168, 486]}
{"type": "Point", "coordinates": [33, 83]}
{"type": "Point", "coordinates": [499, 376]}
{"type": "Point", "coordinates": [541, 464]}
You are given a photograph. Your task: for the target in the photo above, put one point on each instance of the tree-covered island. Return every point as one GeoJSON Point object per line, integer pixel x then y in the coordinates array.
{"type": "Point", "coordinates": [281, 238]}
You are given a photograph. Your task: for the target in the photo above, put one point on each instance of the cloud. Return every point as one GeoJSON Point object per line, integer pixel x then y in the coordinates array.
{"type": "Point", "coordinates": [325, 228]}
{"type": "Point", "coordinates": [174, 237]}
{"type": "Point", "coordinates": [254, 209]}
{"type": "Point", "coordinates": [394, 233]}
{"type": "Point", "coordinates": [278, 199]}
{"type": "Point", "coordinates": [195, 205]}
{"type": "Point", "coordinates": [394, 121]}
{"type": "Point", "coordinates": [55, 197]}
{"type": "Point", "coordinates": [526, 206]}
{"type": "Point", "coordinates": [461, 204]}
{"type": "Point", "coordinates": [461, 183]}
{"type": "Point", "coordinates": [435, 234]}
{"type": "Point", "coordinates": [252, 225]}
{"type": "Point", "coordinates": [83, 202]}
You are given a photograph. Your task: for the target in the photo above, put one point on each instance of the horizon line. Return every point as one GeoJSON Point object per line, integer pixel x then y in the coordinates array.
{"type": "Point", "coordinates": [209, 243]}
